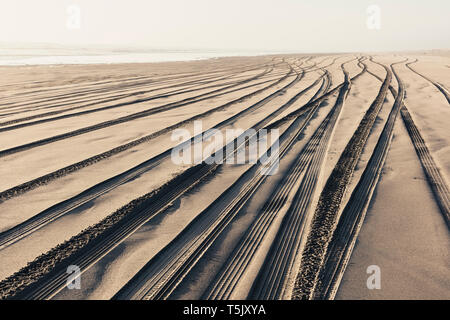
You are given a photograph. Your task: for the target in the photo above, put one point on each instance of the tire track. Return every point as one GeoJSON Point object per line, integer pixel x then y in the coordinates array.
{"type": "Point", "coordinates": [14, 234]}
{"type": "Point", "coordinates": [119, 83]}
{"type": "Point", "coordinates": [227, 85]}
{"type": "Point", "coordinates": [435, 179]}
{"type": "Point", "coordinates": [35, 281]}
{"type": "Point", "coordinates": [88, 85]}
{"type": "Point", "coordinates": [159, 284]}
{"type": "Point", "coordinates": [94, 100]}
{"type": "Point", "coordinates": [42, 277]}
{"type": "Point", "coordinates": [162, 274]}
{"type": "Point", "coordinates": [23, 106]}
{"type": "Point", "coordinates": [134, 116]}
{"type": "Point", "coordinates": [32, 184]}
{"type": "Point", "coordinates": [320, 278]}
{"type": "Point", "coordinates": [273, 277]}
{"type": "Point", "coordinates": [124, 96]}
{"type": "Point", "coordinates": [439, 86]}
{"type": "Point", "coordinates": [230, 274]}
{"type": "Point", "coordinates": [323, 97]}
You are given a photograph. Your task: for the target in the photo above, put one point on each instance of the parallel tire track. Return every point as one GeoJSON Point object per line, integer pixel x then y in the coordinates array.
{"type": "Point", "coordinates": [161, 275]}
{"type": "Point", "coordinates": [150, 283]}
{"type": "Point", "coordinates": [336, 247]}
{"type": "Point", "coordinates": [435, 179]}
{"type": "Point", "coordinates": [273, 277]}
{"type": "Point", "coordinates": [41, 278]}
{"type": "Point", "coordinates": [84, 88]}
{"type": "Point", "coordinates": [337, 183]}
{"type": "Point", "coordinates": [12, 124]}
{"type": "Point", "coordinates": [83, 97]}
{"type": "Point", "coordinates": [35, 281]}
{"type": "Point", "coordinates": [127, 118]}
{"type": "Point", "coordinates": [230, 274]}
{"type": "Point", "coordinates": [32, 184]}
{"type": "Point", "coordinates": [160, 285]}
{"type": "Point", "coordinates": [34, 223]}
{"type": "Point", "coordinates": [85, 112]}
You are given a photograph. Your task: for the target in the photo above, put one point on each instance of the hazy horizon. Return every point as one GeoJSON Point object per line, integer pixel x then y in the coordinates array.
{"type": "Point", "coordinates": [265, 25]}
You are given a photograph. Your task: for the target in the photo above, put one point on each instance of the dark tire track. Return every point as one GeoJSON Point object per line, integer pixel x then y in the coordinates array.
{"type": "Point", "coordinates": [46, 275]}
{"type": "Point", "coordinates": [68, 98]}
{"type": "Point", "coordinates": [86, 88]}
{"type": "Point", "coordinates": [162, 274]}
{"type": "Point", "coordinates": [42, 277]}
{"type": "Point", "coordinates": [272, 280]}
{"type": "Point", "coordinates": [227, 278]}
{"type": "Point", "coordinates": [435, 179]}
{"type": "Point", "coordinates": [327, 252]}
{"type": "Point", "coordinates": [230, 274]}
{"type": "Point", "coordinates": [127, 118]}
{"type": "Point", "coordinates": [34, 223]}
{"type": "Point", "coordinates": [30, 185]}
{"type": "Point", "coordinates": [110, 98]}
{"type": "Point", "coordinates": [80, 113]}
{"type": "Point", "coordinates": [14, 234]}
{"type": "Point", "coordinates": [151, 283]}
{"type": "Point", "coordinates": [337, 183]}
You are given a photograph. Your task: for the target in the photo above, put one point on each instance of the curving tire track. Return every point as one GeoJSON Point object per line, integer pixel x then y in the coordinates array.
{"type": "Point", "coordinates": [36, 281]}
{"type": "Point", "coordinates": [14, 234]}
{"type": "Point", "coordinates": [341, 242]}
{"type": "Point", "coordinates": [12, 124]}
{"type": "Point", "coordinates": [224, 283]}
{"type": "Point", "coordinates": [337, 183]}
{"type": "Point", "coordinates": [86, 88]}
{"type": "Point", "coordinates": [32, 184]}
{"type": "Point", "coordinates": [435, 179]}
{"type": "Point", "coordinates": [161, 275]}
{"type": "Point", "coordinates": [114, 98]}
{"type": "Point", "coordinates": [60, 100]}
{"type": "Point", "coordinates": [81, 113]}
{"type": "Point", "coordinates": [230, 274]}
{"type": "Point", "coordinates": [20, 189]}
{"type": "Point", "coordinates": [273, 277]}
{"type": "Point", "coordinates": [45, 276]}
{"type": "Point", "coordinates": [439, 86]}
{"type": "Point", "coordinates": [123, 119]}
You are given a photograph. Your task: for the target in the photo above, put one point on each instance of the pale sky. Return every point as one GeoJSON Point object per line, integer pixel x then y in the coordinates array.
{"type": "Point", "coordinates": [268, 25]}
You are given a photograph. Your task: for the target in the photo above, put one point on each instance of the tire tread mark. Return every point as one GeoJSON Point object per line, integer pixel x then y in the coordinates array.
{"type": "Point", "coordinates": [272, 279]}
{"type": "Point", "coordinates": [320, 279]}
{"type": "Point", "coordinates": [45, 179]}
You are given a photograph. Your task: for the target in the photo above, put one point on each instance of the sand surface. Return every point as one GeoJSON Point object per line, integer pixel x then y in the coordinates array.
{"type": "Point", "coordinates": [79, 142]}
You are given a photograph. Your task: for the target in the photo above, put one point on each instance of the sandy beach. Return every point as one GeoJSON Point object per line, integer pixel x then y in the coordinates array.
{"type": "Point", "coordinates": [88, 178]}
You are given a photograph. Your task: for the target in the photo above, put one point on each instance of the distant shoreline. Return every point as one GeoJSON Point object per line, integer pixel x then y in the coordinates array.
{"type": "Point", "coordinates": [114, 58]}
{"type": "Point", "coordinates": [67, 56]}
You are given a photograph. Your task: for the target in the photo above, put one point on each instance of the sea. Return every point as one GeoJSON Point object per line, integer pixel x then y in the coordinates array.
{"type": "Point", "coordinates": [51, 54]}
